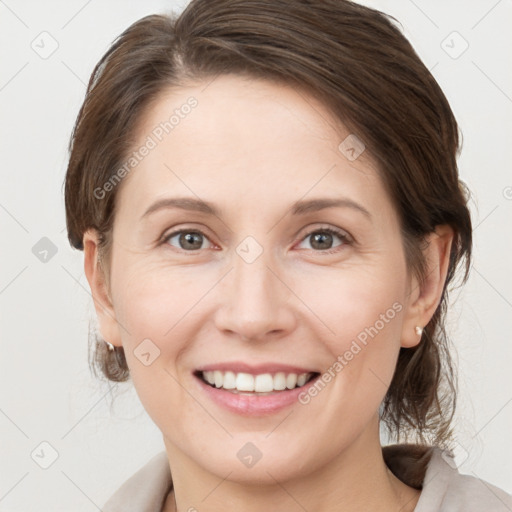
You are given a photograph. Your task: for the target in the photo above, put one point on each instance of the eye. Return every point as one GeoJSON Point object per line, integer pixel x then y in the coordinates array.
{"type": "Point", "coordinates": [322, 239]}
{"type": "Point", "coordinates": [188, 239]}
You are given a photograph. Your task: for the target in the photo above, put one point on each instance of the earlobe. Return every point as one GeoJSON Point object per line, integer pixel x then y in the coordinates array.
{"type": "Point", "coordinates": [426, 295]}
{"type": "Point", "coordinates": [99, 289]}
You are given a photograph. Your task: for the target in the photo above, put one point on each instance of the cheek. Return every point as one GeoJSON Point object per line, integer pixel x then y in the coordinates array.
{"type": "Point", "coordinates": [151, 300]}
{"type": "Point", "coordinates": [349, 302]}
{"type": "Point", "coordinates": [156, 307]}
{"type": "Point", "coordinates": [360, 314]}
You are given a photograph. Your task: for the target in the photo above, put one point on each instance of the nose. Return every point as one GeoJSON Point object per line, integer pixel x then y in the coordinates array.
{"type": "Point", "coordinates": [256, 302]}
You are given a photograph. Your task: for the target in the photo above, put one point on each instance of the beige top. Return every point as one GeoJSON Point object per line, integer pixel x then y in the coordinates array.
{"type": "Point", "coordinates": [443, 488]}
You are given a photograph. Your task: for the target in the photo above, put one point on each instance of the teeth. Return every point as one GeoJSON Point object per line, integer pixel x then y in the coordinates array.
{"type": "Point", "coordinates": [291, 380]}
{"type": "Point", "coordinates": [263, 383]}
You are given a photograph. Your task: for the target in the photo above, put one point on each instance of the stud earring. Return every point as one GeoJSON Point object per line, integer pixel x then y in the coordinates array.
{"type": "Point", "coordinates": [419, 330]}
{"type": "Point", "coordinates": [110, 346]}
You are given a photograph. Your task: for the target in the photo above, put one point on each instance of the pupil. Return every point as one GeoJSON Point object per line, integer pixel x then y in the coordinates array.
{"type": "Point", "coordinates": [321, 237]}
{"type": "Point", "coordinates": [188, 238]}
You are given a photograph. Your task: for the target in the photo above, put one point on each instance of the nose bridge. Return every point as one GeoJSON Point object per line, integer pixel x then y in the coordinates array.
{"type": "Point", "coordinates": [254, 284]}
{"type": "Point", "coordinates": [256, 299]}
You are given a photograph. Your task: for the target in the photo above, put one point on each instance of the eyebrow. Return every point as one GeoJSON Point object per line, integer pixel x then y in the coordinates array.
{"type": "Point", "coordinates": [300, 207]}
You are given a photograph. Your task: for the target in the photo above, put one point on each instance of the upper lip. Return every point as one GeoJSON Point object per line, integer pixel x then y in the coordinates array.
{"type": "Point", "coordinates": [258, 369]}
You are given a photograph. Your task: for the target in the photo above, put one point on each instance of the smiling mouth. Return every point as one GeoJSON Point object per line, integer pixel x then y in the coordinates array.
{"type": "Point", "coordinates": [261, 384]}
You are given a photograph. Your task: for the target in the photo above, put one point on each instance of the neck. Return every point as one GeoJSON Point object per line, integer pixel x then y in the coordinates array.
{"type": "Point", "coordinates": [356, 479]}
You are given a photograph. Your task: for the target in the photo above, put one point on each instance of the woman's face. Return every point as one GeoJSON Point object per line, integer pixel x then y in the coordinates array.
{"type": "Point", "coordinates": [260, 286]}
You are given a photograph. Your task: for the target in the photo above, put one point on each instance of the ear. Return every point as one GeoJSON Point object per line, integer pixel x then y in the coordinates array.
{"type": "Point", "coordinates": [425, 296]}
{"type": "Point", "coordinates": [109, 327]}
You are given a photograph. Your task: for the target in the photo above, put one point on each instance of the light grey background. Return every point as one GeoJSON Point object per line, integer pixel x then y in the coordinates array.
{"type": "Point", "coordinates": [47, 392]}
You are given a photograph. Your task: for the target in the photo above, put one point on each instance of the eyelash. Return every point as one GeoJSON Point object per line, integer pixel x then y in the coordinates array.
{"type": "Point", "coordinates": [344, 237]}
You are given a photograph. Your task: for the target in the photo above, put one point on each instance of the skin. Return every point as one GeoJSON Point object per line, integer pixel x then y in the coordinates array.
{"type": "Point", "coordinates": [253, 148]}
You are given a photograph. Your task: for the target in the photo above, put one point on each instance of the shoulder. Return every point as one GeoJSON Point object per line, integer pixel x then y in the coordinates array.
{"type": "Point", "coordinates": [443, 487]}
{"type": "Point", "coordinates": [145, 490]}
{"type": "Point", "coordinates": [460, 492]}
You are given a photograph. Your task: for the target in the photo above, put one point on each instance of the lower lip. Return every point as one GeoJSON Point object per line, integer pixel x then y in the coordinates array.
{"type": "Point", "coordinates": [253, 404]}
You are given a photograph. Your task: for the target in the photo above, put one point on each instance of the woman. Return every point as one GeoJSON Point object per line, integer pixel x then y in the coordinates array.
{"type": "Point", "coordinates": [268, 201]}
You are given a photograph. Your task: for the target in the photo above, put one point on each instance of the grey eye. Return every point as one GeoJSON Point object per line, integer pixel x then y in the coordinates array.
{"type": "Point", "coordinates": [187, 239]}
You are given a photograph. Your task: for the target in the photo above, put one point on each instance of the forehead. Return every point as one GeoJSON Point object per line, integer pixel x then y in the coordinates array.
{"type": "Point", "coordinates": [236, 137]}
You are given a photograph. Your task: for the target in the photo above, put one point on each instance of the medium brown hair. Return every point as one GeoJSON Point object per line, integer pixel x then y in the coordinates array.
{"type": "Point", "coordinates": [358, 63]}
